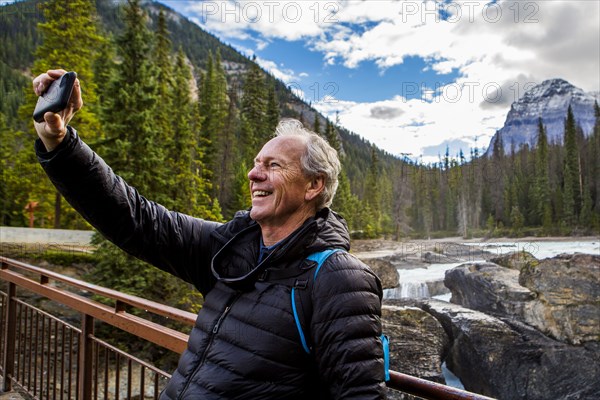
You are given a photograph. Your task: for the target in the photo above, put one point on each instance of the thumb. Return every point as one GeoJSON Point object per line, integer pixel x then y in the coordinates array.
{"type": "Point", "coordinates": [54, 123]}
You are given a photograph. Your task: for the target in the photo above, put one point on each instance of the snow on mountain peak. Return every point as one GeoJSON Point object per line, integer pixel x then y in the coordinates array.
{"type": "Point", "coordinates": [550, 101]}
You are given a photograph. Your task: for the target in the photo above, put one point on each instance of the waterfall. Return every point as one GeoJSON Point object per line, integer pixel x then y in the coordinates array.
{"type": "Point", "coordinates": [414, 282]}
{"type": "Point", "coordinates": [414, 290]}
{"type": "Point", "coordinates": [407, 290]}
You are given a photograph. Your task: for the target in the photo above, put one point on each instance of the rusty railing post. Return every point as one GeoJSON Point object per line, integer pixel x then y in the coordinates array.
{"type": "Point", "coordinates": [9, 337]}
{"type": "Point", "coordinates": [86, 357]}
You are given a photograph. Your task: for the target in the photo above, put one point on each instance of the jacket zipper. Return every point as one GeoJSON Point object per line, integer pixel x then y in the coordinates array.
{"type": "Point", "coordinates": [213, 332]}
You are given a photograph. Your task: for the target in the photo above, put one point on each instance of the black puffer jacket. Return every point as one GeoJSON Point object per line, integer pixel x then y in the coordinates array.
{"type": "Point", "coordinates": [245, 344]}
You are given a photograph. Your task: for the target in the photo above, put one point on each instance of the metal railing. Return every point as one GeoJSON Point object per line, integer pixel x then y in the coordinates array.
{"type": "Point", "coordinates": [53, 359]}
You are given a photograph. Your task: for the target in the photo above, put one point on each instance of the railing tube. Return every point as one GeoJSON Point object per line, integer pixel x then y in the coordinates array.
{"type": "Point", "coordinates": [9, 337]}
{"type": "Point", "coordinates": [430, 390]}
{"type": "Point", "coordinates": [86, 359]}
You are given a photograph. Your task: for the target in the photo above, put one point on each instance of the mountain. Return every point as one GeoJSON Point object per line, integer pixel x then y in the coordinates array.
{"type": "Point", "coordinates": [550, 101]}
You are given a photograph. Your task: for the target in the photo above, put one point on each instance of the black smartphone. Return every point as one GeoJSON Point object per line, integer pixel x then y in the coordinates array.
{"type": "Point", "coordinates": [56, 97]}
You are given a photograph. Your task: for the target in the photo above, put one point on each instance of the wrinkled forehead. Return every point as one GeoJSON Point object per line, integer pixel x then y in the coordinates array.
{"type": "Point", "coordinates": [288, 148]}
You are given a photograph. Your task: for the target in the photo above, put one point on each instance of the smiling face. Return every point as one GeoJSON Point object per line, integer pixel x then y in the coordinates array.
{"type": "Point", "coordinates": [282, 196]}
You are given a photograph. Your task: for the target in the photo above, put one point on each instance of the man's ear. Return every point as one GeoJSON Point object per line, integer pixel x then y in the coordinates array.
{"type": "Point", "coordinates": [314, 187]}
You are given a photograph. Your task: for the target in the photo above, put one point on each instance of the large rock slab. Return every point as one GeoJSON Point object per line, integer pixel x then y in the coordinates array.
{"type": "Point", "coordinates": [385, 270]}
{"type": "Point", "coordinates": [510, 360]}
{"type": "Point", "coordinates": [489, 288]}
{"type": "Point", "coordinates": [559, 296]}
{"type": "Point", "coordinates": [567, 288]}
{"type": "Point", "coordinates": [515, 260]}
{"type": "Point", "coordinates": [418, 341]}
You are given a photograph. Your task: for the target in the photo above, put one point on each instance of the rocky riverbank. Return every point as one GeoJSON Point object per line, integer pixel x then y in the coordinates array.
{"type": "Point", "coordinates": [517, 327]}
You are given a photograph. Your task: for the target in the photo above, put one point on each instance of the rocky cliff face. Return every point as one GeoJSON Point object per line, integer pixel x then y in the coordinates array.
{"type": "Point", "coordinates": [489, 288]}
{"type": "Point", "coordinates": [506, 359]}
{"type": "Point", "coordinates": [523, 328]}
{"type": "Point", "coordinates": [385, 270]}
{"type": "Point", "coordinates": [418, 343]}
{"type": "Point", "coordinates": [550, 101]}
{"type": "Point", "coordinates": [417, 338]}
{"type": "Point", "coordinates": [567, 289]}
{"type": "Point", "coordinates": [559, 296]}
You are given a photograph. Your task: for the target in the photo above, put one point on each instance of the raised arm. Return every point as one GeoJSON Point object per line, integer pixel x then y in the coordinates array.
{"type": "Point", "coordinates": [174, 242]}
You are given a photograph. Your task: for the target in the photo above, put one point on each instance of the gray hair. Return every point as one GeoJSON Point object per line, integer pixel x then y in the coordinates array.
{"type": "Point", "coordinates": [318, 159]}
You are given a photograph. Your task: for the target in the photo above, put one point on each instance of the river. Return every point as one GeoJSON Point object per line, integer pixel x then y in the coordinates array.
{"type": "Point", "coordinates": [428, 281]}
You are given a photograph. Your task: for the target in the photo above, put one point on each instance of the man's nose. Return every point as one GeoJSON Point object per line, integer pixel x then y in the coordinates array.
{"type": "Point", "coordinates": [257, 173]}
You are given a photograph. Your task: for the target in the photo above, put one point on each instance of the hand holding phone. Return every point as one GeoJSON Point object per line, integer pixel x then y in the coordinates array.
{"type": "Point", "coordinates": [56, 97]}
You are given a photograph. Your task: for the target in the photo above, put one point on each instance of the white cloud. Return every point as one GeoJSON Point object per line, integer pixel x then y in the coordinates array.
{"type": "Point", "coordinates": [499, 50]}
{"type": "Point", "coordinates": [261, 45]}
{"type": "Point", "coordinates": [415, 125]}
{"type": "Point", "coordinates": [284, 74]}
{"type": "Point", "coordinates": [289, 20]}
{"type": "Point", "coordinates": [488, 42]}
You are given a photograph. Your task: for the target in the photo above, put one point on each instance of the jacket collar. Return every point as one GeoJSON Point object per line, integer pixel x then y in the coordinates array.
{"type": "Point", "coordinates": [235, 263]}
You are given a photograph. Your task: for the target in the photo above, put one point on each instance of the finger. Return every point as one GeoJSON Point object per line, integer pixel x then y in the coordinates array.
{"type": "Point", "coordinates": [76, 101]}
{"type": "Point", "coordinates": [56, 73]}
{"type": "Point", "coordinates": [42, 81]}
{"type": "Point", "coordinates": [54, 123]}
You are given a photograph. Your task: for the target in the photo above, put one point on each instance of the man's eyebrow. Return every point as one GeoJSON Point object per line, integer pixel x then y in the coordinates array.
{"type": "Point", "coordinates": [271, 158]}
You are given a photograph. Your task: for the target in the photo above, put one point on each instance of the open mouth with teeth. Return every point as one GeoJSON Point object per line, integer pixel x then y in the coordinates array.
{"type": "Point", "coordinates": [260, 193]}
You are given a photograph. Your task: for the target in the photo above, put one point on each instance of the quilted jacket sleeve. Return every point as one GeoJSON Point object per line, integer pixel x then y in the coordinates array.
{"type": "Point", "coordinates": [171, 241]}
{"type": "Point", "coordinates": [346, 329]}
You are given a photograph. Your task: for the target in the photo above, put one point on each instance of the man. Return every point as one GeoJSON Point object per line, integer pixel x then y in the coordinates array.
{"type": "Point", "coordinates": [245, 343]}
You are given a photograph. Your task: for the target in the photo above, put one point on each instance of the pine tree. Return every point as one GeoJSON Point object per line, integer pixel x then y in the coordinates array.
{"type": "Point", "coordinates": [494, 172]}
{"type": "Point", "coordinates": [253, 113]}
{"type": "Point", "coordinates": [130, 113]}
{"type": "Point", "coordinates": [104, 69]}
{"type": "Point", "coordinates": [165, 77]}
{"type": "Point", "coordinates": [332, 137]}
{"type": "Point", "coordinates": [15, 151]}
{"type": "Point", "coordinates": [241, 193]}
{"type": "Point", "coordinates": [373, 193]}
{"type": "Point", "coordinates": [230, 158]}
{"type": "Point", "coordinates": [516, 221]}
{"type": "Point", "coordinates": [346, 203]}
{"type": "Point", "coordinates": [70, 40]}
{"type": "Point", "coordinates": [402, 193]}
{"type": "Point", "coordinates": [572, 173]}
{"type": "Point", "coordinates": [258, 117]}
{"type": "Point", "coordinates": [189, 189]}
{"type": "Point", "coordinates": [317, 124]}
{"type": "Point", "coordinates": [272, 110]}
{"type": "Point", "coordinates": [214, 110]}
{"type": "Point", "coordinates": [585, 218]}
{"type": "Point", "coordinates": [594, 169]}
{"type": "Point", "coordinates": [543, 207]}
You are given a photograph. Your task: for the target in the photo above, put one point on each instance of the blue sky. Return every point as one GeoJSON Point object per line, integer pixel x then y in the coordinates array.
{"type": "Point", "coordinates": [319, 80]}
{"type": "Point", "coordinates": [413, 76]}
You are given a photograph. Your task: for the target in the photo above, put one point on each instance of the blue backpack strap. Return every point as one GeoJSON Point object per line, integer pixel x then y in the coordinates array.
{"type": "Point", "coordinates": [319, 258]}
{"type": "Point", "coordinates": [298, 324]}
{"type": "Point", "coordinates": [385, 342]}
